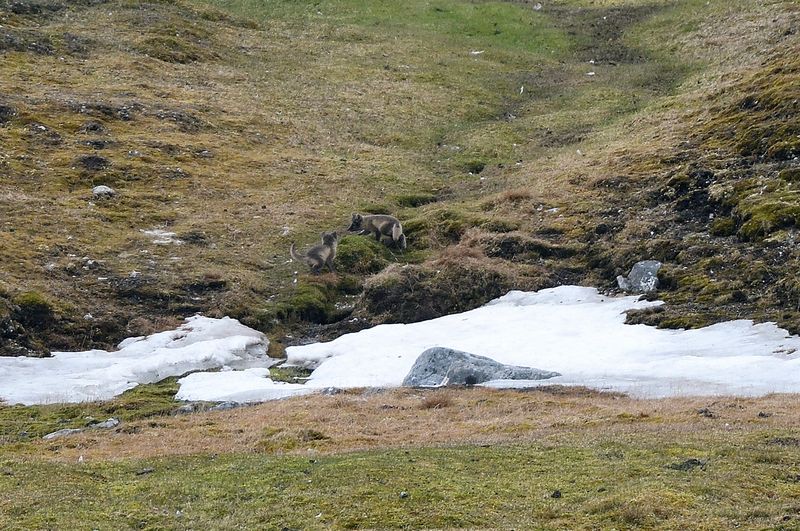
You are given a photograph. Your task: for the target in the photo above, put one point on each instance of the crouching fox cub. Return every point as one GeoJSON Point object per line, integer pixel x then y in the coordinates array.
{"type": "Point", "coordinates": [319, 255]}
{"type": "Point", "coordinates": [379, 225]}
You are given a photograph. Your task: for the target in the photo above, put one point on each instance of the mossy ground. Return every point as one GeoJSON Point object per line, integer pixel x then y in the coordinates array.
{"type": "Point", "coordinates": [242, 126]}
{"type": "Point", "coordinates": [25, 423]}
{"type": "Point", "coordinates": [207, 128]}
{"type": "Point", "coordinates": [551, 459]}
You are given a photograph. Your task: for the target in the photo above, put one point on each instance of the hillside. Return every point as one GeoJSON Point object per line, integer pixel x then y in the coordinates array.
{"type": "Point", "coordinates": [242, 126]}
{"type": "Point", "coordinates": [522, 144]}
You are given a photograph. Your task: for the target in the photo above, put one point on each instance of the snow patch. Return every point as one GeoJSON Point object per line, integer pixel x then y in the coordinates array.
{"type": "Point", "coordinates": [249, 385]}
{"type": "Point", "coordinates": [201, 343]}
{"type": "Point", "coordinates": [573, 330]}
{"type": "Point", "coordinates": [162, 237]}
{"type": "Point", "coordinates": [581, 334]}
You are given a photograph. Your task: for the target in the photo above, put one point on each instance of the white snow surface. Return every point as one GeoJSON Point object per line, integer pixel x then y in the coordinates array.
{"type": "Point", "coordinates": [249, 385]}
{"type": "Point", "coordinates": [573, 330]}
{"type": "Point", "coordinates": [581, 334]}
{"type": "Point", "coordinates": [201, 343]}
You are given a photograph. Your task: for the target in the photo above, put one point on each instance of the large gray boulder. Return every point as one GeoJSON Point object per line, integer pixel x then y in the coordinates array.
{"type": "Point", "coordinates": [444, 366]}
{"type": "Point", "coordinates": [643, 277]}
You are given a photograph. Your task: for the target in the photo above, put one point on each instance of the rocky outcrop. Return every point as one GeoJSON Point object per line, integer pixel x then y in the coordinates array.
{"type": "Point", "coordinates": [440, 366]}
{"type": "Point", "coordinates": [643, 277]}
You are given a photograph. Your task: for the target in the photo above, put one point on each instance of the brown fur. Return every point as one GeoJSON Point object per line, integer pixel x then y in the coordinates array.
{"type": "Point", "coordinates": [320, 255]}
{"type": "Point", "coordinates": [385, 228]}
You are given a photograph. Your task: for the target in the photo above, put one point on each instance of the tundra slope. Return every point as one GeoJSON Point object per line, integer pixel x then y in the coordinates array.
{"type": "Point", "coordinates": [192, 113]}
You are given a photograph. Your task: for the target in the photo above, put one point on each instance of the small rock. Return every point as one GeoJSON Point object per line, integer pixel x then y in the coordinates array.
{"type": "Point", "coordinates": [404, 495]}
{"type": "Point", "coordinates": [92, 127]}
{"type": "Point", "coordinates": [643, 277]}
{"type": "Point", "coordinates": [556, 494]}
{"type": "Point", "coordinates": [224, 406]}
{"type": "Point", "coordinates": [187, 409]}
{"type": "Point", "coordinates": [61, 433]}
{"type": "Point", "coordinates": [687, 465]}
{"type": "Point", "coordinates": [106, 424]}
{"type": "Point", "coordinates": [103, 192]}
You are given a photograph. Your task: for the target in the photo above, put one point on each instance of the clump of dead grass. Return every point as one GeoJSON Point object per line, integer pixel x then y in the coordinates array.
{"type": "Point", "coordinates": [439, 399]}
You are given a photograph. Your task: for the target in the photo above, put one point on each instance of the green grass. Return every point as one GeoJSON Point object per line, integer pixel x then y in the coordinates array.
{"type": "Point", "coordinates": [629, 483]}
{"type": "Point", "coordinates": [21, 424]}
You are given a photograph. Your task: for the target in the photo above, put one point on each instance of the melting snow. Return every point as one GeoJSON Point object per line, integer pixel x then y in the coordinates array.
{"type": "Point", "coordinates": [573, 330]}
{"type": "Point", "coordinates": [579, 333]}
{"type": "Point", "coordinates": [201, 343]}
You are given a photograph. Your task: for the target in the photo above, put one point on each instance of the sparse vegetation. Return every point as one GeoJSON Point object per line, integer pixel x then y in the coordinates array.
{"type": "Point", "coordinates": [467, 458]}
{"type": "Point", "coordinates": [521, 148]}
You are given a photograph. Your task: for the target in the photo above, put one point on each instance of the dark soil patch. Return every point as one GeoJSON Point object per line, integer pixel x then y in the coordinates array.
{"type": "Point", "coordinates": [185, 121]}
{"type": "Point", "coordinates": [41, 135]}
{"type": "Point", "coordinates": [417, 293]}
{"type": "Point", "coordinates": [92, 127]}
{"type": "Point", "coordinates": [599, 31]}
{"type": "Point", "coordinates": [784, 441]}
{"type": "Point", "coordinates": [7, 113]}
{"type": "Point", "coordinates": [106, 110]}
{"type": "Point", "coordinates": [25, 41]}
{"type": "Point", "coordinates": [689, 464]}
{"type": "Point", "coordinates": [93, 162]}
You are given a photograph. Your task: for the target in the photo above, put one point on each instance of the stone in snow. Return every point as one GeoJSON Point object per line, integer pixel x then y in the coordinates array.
{"type": "Point", "coordinates": [643, 277]}
{"type": "Point", "coordinates": [439, 366]}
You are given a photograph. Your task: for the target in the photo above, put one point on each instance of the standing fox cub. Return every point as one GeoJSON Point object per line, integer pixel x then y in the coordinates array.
{"type": "Point", "coordinates": [381, 226]}
{"type": "Point", "coordinates": [319, 255]}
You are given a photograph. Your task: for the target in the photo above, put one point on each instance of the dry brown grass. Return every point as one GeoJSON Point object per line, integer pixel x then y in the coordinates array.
{"type": "Point", "coordinates": [401, 418]}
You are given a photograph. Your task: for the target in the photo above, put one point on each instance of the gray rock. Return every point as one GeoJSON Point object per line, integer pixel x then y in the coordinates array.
{"type": "Point", "coordinates": [187, 409]}
{"type": "Point", "coordinates": [103, 192]}
{"type": "Point", "coordinates": [444, 366]}
{"type": "Point", "coordinates": [643, 277]}
{"type": "Point", "coordinates": [106, 424]}
{"type": "Point", "coordinates": [224, 406]}
{"type": "Point", "coordinates": [62, 433]}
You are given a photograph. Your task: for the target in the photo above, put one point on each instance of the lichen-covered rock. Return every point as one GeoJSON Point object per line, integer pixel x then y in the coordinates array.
{"type": "Point", "coordinates": [643, 277]}
{"type": "Point", "coordinates": [61, 433]}
{"type": "Point", "coordinates": [103, 192]}
{"type": "Point", "coordinates": [444, 366]}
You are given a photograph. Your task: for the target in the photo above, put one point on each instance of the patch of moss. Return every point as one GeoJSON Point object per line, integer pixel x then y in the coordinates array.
{"type": "Point", "coordinates": [414, 200]}
{"type": "Point", "coordinates": [361, 255]}
{"type": "Point", "coordinates": [723, 226]}
{"type": "Point", "coordinates": [791, 175]}
{"type": "Point", "coordinates": [418, 293]}
{"type": "Point", "coordinates": [288, 374]}
{"type": "Point", "coordinates": [313, 300]}
{"type": "Point", "coordinates": [499, 225]}
{"type": "Point", "coordinates": [173, 50]}
{"type": "Point", "coordinates": [34, 309]}
{"type": "Point", "coordinates": [767, 216]}
{"type": "Point", "coordinates": [21, 423]}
